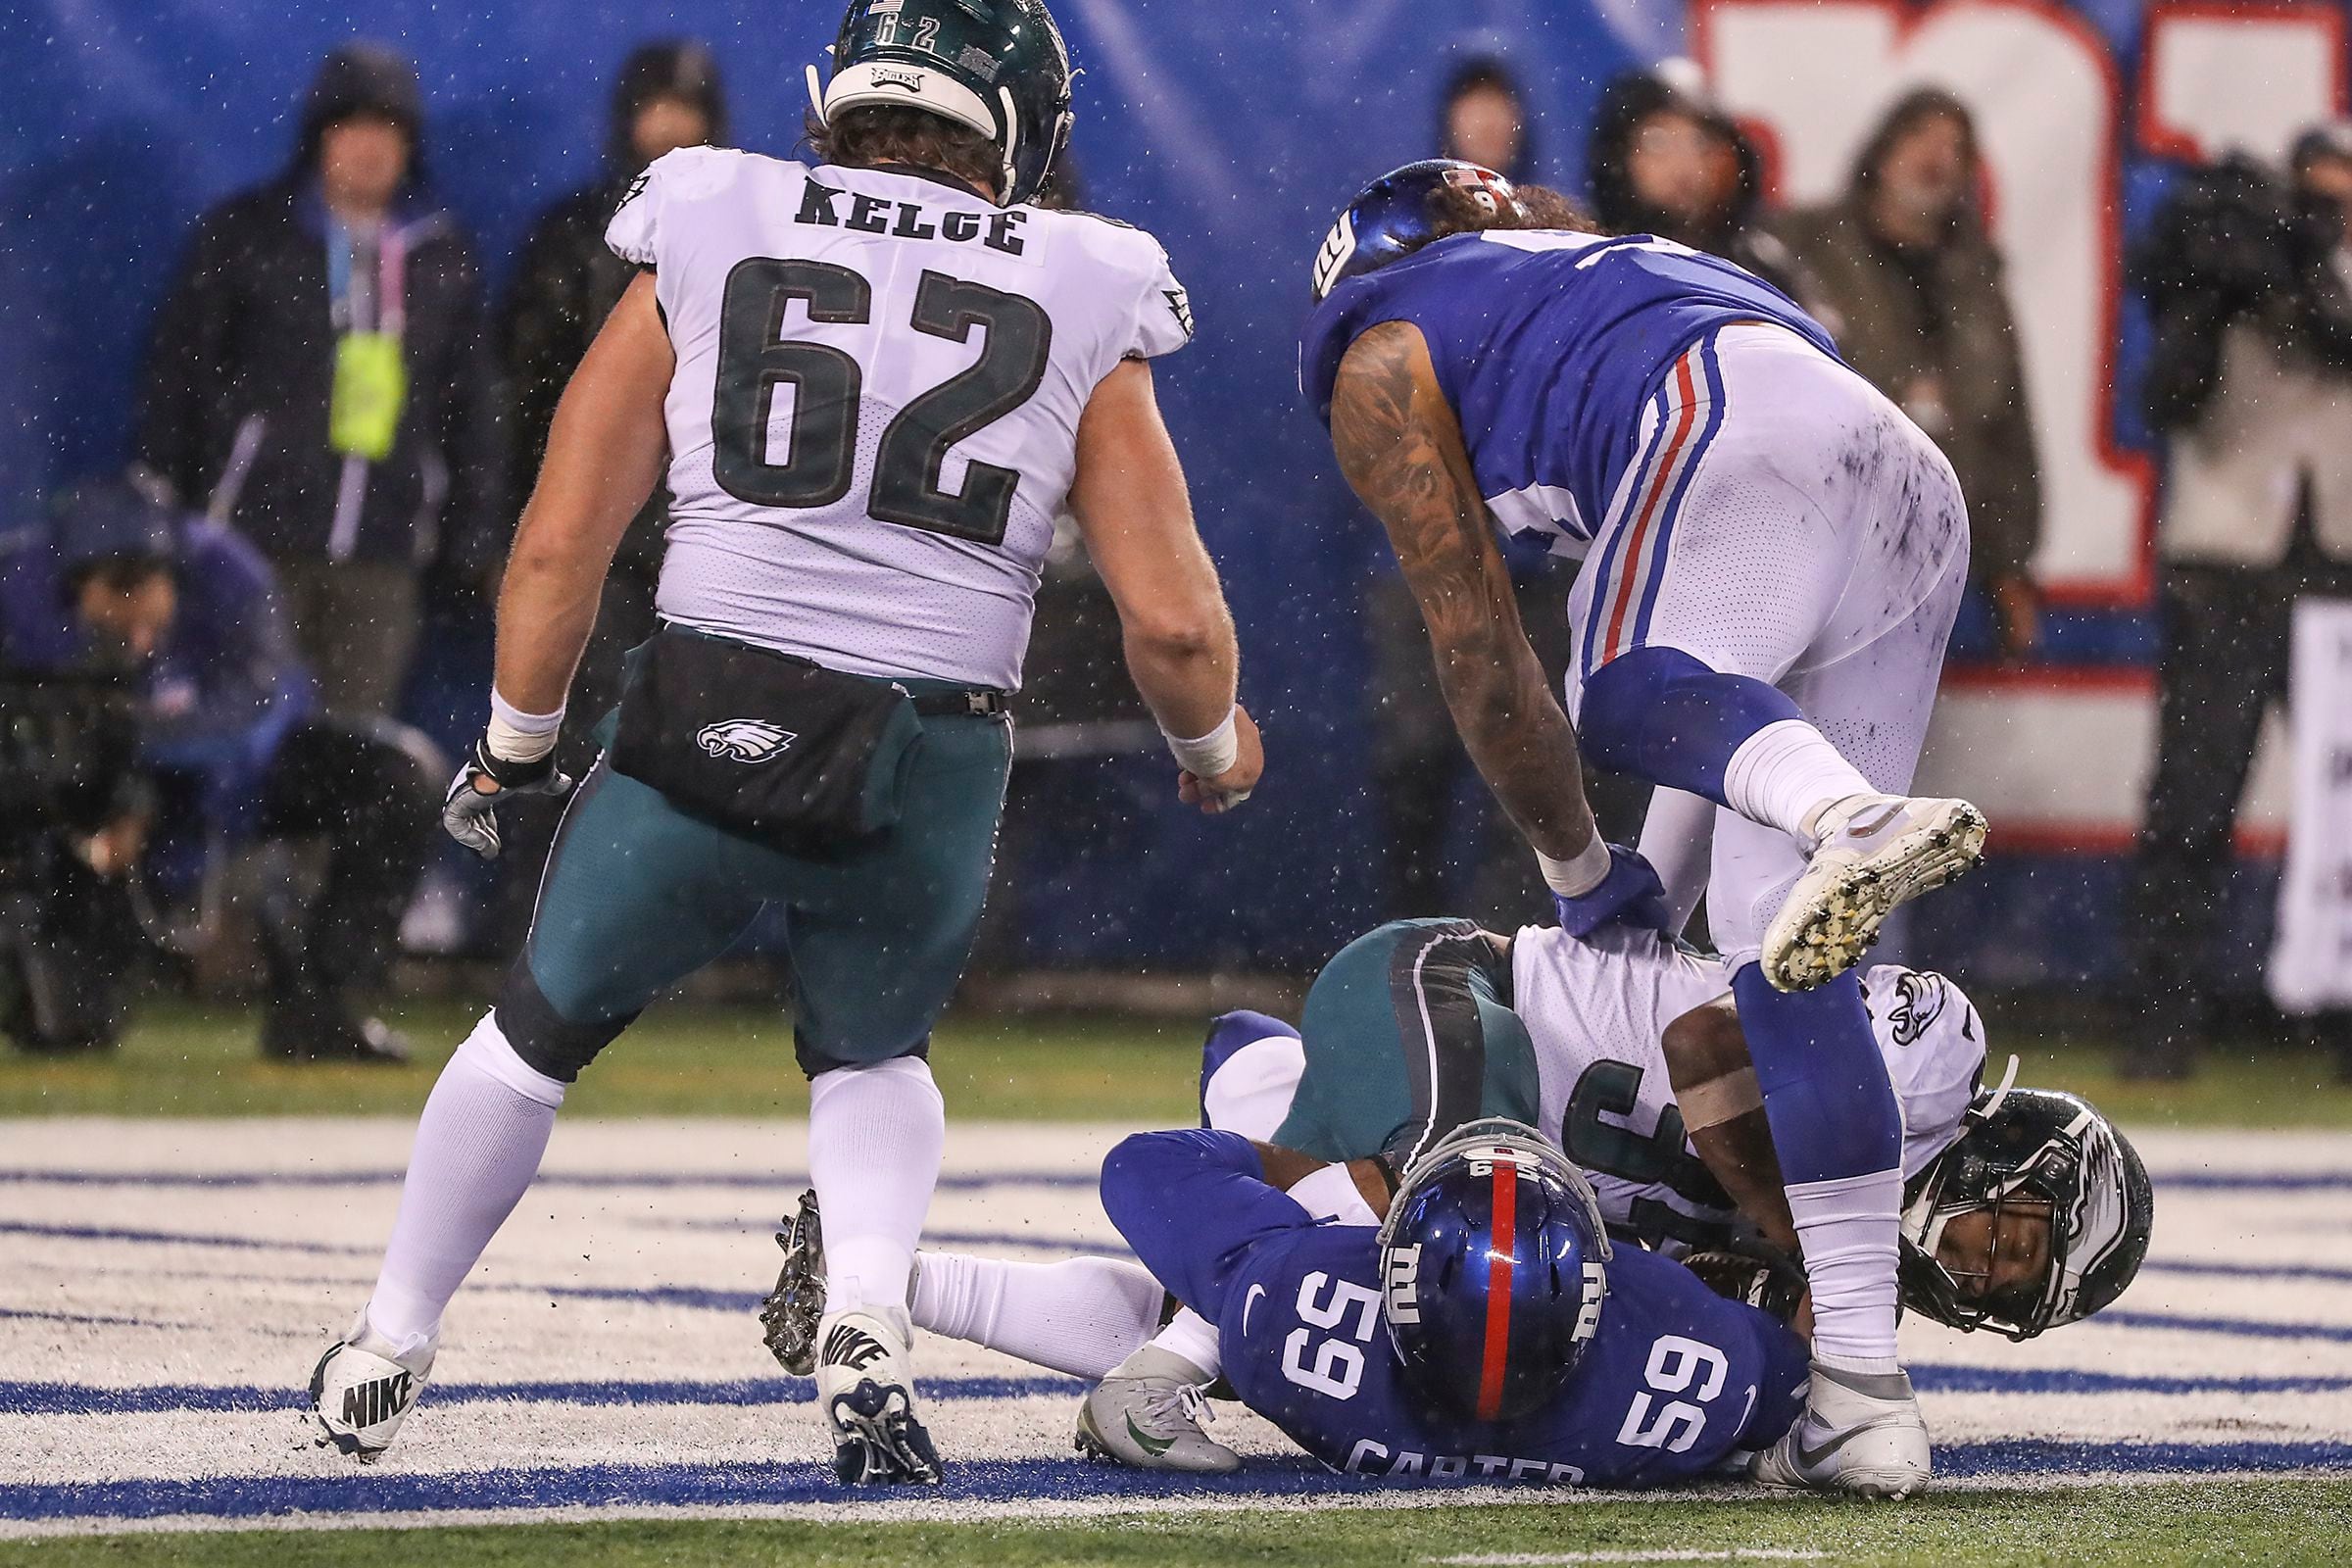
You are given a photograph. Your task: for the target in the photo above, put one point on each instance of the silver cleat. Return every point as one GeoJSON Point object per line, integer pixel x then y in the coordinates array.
{"type": "Point", "coordinates": [1876, 852]}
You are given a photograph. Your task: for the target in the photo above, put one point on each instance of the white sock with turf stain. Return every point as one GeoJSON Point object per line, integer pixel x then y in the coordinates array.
{"type": "Point", "coordinates": [1194, 1338]}
{"type": "Point", "coordinates": [1785, 775]}
{"type": "Point", "coordinates": [1083, 1315]}
{"type": "Point", "coordinates": [876, 1134]}
{"type": "Point", "coordinates": [478, 1145]}
{"type": "Point", "coordinates": [1850, 1228]}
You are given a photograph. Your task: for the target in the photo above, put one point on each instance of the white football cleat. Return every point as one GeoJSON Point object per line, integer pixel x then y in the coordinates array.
{"type": "Point", "coordinates": [1861, 1433]}
{"type": "Point", "coordinates": [1874, 853]}
{"type": "Point", "coordinates": [865, 1386]}
{"type": "Point", "coordinates": [1148, 1411]}
{"type": "Point", "coordinates": [364, 1387]}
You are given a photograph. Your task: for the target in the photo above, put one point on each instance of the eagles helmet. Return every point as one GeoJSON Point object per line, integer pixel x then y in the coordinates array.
{"type": "Point", "coordinates": [1389, 218]}
{"type": "Point", "coordinates": [1493, 1265]}
{"type": "Point", "coordinates": [2029, 1148]}
{"type": "Point", "coordinates": [995, 66]}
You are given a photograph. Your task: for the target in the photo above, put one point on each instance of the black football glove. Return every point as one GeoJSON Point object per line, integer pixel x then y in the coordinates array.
{"type": "Point", "coordinates": [469, 815]}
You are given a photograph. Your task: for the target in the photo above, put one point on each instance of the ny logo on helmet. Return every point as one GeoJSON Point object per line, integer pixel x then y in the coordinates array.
{"type": "Point", "coordinates": [1405, 1284]}
{"type": "Point", "coordinates": [744, 740]}
{"type": "Point", "coordinates": [1338, 246]}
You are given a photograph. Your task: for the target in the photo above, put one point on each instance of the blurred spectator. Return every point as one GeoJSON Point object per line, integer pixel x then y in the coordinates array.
{"type": "Point", "coordinates": [188, 617]}
{"type": "Point", "coordinates": [316, 379]}
{"type": "Point", "coordinates": [2251, 387]}
{"type": "Point", "coordinates": [75, 814]}
{"type": "Point", "coordinates": [666, 96]}
{"type": "Point", "coordinates": [1923, 313]}
{"type": "Point", "coordinates": [1662, 160]}
{"type": "Point", "coordinates": [1482, 118]}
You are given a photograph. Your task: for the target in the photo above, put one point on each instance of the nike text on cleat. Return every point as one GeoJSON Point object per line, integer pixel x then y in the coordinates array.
{"type": "Point", "coordinates": [865, 1384]}
{"type": "Point", "coordinates": [1875, 853]}
{"type": "Point", "coordinates": [364, 1387]}
{"type": "Point", "coordinates": [789, 1317]}
{"type": "Point", "coordinates": [1149, 1411]}
{"type": "Point", "coordinates": [1860, 1432]}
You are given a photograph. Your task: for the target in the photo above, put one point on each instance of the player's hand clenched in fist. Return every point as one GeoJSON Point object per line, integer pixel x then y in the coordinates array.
{"type": "Point", "coordinates": [1218, 771]}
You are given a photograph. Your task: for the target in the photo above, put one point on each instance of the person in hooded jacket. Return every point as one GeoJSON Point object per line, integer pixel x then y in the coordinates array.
{"type": "Point", "coordinates": [317, 379]}
{"type": "Point", "coordinates": [1925, 315]}
{"type": "Point", "coordinates": [1663, 160]}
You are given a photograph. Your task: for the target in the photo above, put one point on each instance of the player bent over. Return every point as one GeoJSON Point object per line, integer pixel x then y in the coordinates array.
{"type": "Point", "coordinates": [875, 383]}
{"type": "Point", "coordinates": [1774, 559]}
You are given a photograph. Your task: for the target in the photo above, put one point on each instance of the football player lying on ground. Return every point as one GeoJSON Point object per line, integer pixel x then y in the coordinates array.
{"type": "Point", "coordinates": [1486, 1331]}
{"type": "Point", "coordinates": [2023, 1208]}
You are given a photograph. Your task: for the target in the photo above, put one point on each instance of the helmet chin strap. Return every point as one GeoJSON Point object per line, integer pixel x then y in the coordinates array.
{"type": "Point", "coordinates": [2000, 1091]}
{"type": "Point", "coordinates": [1012, 144]}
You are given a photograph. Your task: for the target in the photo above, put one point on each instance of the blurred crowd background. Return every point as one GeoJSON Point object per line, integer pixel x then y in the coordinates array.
{"type": "Point", "coordinates": [289, 309]}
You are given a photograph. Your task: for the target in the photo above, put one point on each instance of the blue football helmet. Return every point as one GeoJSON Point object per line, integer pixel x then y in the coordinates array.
{"type": "Point", "coordinates": [1492, 1265]}
{"type": "Point", "coordinates": [1389, 218]}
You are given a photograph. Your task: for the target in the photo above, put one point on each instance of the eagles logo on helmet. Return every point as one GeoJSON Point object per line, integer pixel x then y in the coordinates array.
{"type": "Point", "coordinates": [995, 66]}
{"type": "Point", "coordinates": [1493, 1262]}
{"type": "Point", "coordinates": [2030, 1149]}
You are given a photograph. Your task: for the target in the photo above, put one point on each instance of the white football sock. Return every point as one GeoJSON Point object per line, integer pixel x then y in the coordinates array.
{"type": "Point", "coordinates": [1678, 840]}
{"type": "Point", "coordinates": [1194, 1338]}
{"type": "Point", "coordinates": [478, 1145]}
{"type": "Point", "coordinates": [1783, 775]}
{"type": "Point", "coordinates": [876, 1134]}
{"type": "Point", "coordinates": [1083, 1315]}
{"type": "Point", "coordinates": [1851, 1229]}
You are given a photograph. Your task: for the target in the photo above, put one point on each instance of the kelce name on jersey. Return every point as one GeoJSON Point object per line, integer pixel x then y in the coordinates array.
{"type": "Point", "coordinates": [1370, 1459]}
{"type": "Point", "coordinates": [880, 215]}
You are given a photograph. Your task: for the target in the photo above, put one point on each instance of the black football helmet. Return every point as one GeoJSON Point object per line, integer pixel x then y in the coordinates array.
{"type": "Point", "coordinates": [2037, 1147]}
{"type": "Point", "coordinates": [995, 66]}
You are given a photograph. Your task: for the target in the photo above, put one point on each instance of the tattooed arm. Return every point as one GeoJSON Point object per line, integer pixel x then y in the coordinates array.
{"type": "Point", "coordinates": [1402, 450]}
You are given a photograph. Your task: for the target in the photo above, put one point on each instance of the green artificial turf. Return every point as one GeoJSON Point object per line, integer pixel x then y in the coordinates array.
{"type": "Point", "coordinates": [2147, 1525]}
{"type": "Point", "coordinates": [679, 1060]}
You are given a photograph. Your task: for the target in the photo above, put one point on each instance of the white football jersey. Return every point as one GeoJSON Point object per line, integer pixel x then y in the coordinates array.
{"type": "Point", "coordinates": [1598, 1010]}
{"type": "Point", "coordinates": [874, 420]}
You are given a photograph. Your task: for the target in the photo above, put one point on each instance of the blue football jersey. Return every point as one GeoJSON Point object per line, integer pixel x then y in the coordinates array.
{"type": "Point", "coordinates": [1548, 344]}
{"type": "Point", "coordinates": [1675, 1380]}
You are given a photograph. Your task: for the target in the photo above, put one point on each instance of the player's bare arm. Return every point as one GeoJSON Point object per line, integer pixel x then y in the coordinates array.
{"type": "Point", "coordinates": [1723, 1110]}
{"type": "Point", "coordinates": [603, 457]}
{"type": "Point", "coordinates": [1137, 521]}
{"type": "Point", "coordinates": [1401, 451]}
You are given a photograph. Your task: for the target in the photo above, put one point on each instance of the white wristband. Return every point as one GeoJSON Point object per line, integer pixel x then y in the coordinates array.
{"type": "Point", "coordinates": [1576, 877]}
{"type": "Point", "coordinates": [515, 736]}
{"type": "Point", "coordinates": [1211, 754]}
{"type": "Point", "coordinates": [1329, 1192]}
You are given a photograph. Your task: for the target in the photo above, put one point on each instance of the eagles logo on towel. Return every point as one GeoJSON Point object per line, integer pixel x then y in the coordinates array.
{"type": "Point", "coordinates": [744, 740]}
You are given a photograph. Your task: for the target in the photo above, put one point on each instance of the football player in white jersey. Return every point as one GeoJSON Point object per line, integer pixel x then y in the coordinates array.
{"type": "Point", "coordinates": [870, 385]}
